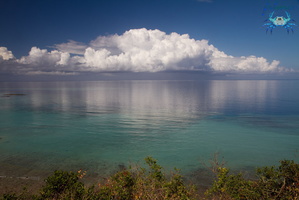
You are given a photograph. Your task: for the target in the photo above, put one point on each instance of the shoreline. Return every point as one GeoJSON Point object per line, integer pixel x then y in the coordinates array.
{"type": "Point", "coordinates": [137, 181]}
{"type": "Point", "coordinates": [33, 180]}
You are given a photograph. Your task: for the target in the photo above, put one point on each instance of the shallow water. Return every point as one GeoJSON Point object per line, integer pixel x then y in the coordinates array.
{"type": "Point", "coordinates": [99, 126]}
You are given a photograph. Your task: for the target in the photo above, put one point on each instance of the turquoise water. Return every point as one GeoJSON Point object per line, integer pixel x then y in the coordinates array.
{"type": "Point", "coordinates": [98, 126]}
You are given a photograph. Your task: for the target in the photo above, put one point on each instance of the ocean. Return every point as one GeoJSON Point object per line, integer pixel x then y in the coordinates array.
{"type": "Point", "coordinates": [104, 125]}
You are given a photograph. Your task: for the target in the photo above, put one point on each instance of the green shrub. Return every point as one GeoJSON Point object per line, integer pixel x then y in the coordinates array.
{"type": "Point", "coordinates": [12, 196]}
{"type": "Point", "coordinates": [119, 186]}
{"type": "Point", "coordinates": [133, 183]}
{"type": "Point", "coordinates": [24, 195]}
{"type": "Point", "coordinates": [232, 186]}
{"type": "Point", "coordinates": [142, 183]}
{"type": "Point", "coordinates": [63, 185]}
{"type": "Point", "coordinates": [271, 183]}
{"type": "Point", "coordinates": [151, 182]}
{"type": "Point", "coordinates": [281, 182]}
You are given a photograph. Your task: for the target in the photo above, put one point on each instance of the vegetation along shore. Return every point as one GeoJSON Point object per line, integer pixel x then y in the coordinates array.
{"type": "Point", "coordinates": [152, 182]}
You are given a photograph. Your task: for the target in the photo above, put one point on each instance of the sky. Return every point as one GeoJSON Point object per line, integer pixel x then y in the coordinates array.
{"type": "Point", "coordinates": [102, 38]}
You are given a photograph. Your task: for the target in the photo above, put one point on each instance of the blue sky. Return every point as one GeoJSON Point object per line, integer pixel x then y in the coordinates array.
{"type": "Point", "coordinates": [232, 26]}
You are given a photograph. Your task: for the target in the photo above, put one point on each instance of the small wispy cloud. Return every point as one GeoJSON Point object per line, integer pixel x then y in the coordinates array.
{"type": "Point", "coordinates": [206, 1]}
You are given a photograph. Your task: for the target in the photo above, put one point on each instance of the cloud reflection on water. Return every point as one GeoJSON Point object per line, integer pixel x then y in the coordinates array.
{"type": "Point", "coordinates": [184, 99]}
{"type": "Point", "coordinates": [90, 122]}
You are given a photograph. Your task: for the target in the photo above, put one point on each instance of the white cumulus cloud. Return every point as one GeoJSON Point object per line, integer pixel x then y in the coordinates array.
{"type": "Point", "coordinates": [72, 47]}
{"type": "Point", "coordinates": [5, 54]}
{"type": "Point", "coordinates": [41, 57]}
{"type": "Point", "coordinates": [245, 64]}
{"type": "Point", "coordinates": [136, 50]}
{"type": "Point", "coordinates": [142, 50]}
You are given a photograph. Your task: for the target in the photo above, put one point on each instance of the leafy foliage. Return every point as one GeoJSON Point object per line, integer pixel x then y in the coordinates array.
{"type": "Point", "coordinates": [63, 184]}
{"type": "Point", "coordinates": [271, 183]}
{"type": "Point", "coordinates": [151, 182]}
{"type": "Point", "coordinates": [141, 183]}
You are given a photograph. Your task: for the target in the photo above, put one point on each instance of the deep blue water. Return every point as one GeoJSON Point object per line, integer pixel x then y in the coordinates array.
{"type": "Point", "coordinates": [100, 125]}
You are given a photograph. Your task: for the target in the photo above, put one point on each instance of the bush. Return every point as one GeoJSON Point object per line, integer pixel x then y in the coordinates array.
{"type": "Point", "coordinates": [24, 195]}
{"type": "Point", "coordinates": [151, 182]}
{"type": "Point", "coordinates": [132, 183]}
{"type": "Point", "coordinates": [119, 186]}
{"type": "Point", "coordinates": [140, 183]}
{"type": "Point", "coordinates": [10, 197]}
{"type": "Point", "coordinates": [281, 182]}
{"type": "Point", "coordinates": [271, 183]}
{"type": "Point", "coordinates": [63, 185]}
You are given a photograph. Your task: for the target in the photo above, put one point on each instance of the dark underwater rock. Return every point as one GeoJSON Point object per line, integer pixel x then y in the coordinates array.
{"type": "Point", "coordinates": [9, 95]}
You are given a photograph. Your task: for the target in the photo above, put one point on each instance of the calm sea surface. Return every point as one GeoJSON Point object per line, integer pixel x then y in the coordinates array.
{"type": "Point", "coordinates": [98, 126]}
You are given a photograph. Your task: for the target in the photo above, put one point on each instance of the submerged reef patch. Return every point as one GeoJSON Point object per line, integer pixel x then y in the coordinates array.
{"type": "Point", "coordinates": [9, 95]}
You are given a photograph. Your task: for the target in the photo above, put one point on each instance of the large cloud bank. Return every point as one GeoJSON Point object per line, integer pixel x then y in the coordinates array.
{"type": "Point", "coordinates": [137, 50]}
